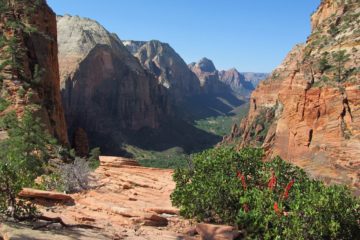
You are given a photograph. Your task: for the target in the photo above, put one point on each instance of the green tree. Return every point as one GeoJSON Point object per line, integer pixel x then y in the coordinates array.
{"type": "Point", "coordinates": [22, 157]}
{"type": "Point", "coordinates": [340, 58]}
{"type": "Point", "coordinates": [324, 62]}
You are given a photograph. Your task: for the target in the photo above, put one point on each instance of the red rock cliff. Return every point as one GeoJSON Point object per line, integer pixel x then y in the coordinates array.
{"type": "Point", "coordinates": [308, 110]}
{"type": "Point", "coordinates": [34, 76]}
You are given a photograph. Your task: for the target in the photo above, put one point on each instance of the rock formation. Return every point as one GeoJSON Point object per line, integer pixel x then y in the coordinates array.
{"type": "Point", "coordinates": [105, 90]}
{"type": "Point", "coordinates": [30, 70]}
{"type": "Point", "coordinates": [308, 110]}
{"type": "Point", "coordinates": [237, 82]}
{"type": "Point", "coordinates": [209, 77]}
{"type": "Point", "coordinates": [169, 68]}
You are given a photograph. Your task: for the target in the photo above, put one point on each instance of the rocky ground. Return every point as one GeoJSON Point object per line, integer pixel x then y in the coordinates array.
{"type": "Point", "coordinates": [125, 201]}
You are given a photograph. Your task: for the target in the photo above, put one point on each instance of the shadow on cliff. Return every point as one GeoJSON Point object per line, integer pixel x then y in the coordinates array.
{"type": "Point", "coordinates": [209, 105]}
{"type": "Point", "coordinates": [172, 133]}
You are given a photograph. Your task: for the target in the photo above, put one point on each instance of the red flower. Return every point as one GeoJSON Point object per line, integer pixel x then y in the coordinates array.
{"type": "Point", "coordinates": [287, 189]}
{"type": "Point", "coordinates": [276, 208]}
{"type": "Point", "coordinates": [272, 182]}
{"type": "Point", "coordinates": [242, 178]}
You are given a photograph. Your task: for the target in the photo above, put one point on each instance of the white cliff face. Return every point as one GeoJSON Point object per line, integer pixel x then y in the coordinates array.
{"type": "Point", "coordinates": [78, 36]}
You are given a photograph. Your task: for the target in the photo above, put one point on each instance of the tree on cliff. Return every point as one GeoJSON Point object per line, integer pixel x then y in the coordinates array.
{"type": "Point", "coordinates": [22, 157]}
{"type": "Point", "coordinates": [340, 58]}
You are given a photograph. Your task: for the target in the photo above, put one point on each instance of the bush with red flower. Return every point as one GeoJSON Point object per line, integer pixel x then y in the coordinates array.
{"type": "Point", "coordinates": [267, 200]}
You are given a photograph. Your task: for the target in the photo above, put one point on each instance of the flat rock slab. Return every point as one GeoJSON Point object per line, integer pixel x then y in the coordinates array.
{"type": "Point", "coordinates": [111, 206]}
{"type": "Point", "coordinates": [34, 193]}
{"type": "Point", "coordinates": [12, 231]}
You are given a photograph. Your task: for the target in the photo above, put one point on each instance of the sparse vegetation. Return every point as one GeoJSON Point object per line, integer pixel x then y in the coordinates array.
{"type": "Point", "coordinates": [3, 104]}
{"type": "Point", "coordinates": [267, 200]}
{"type": "Point", "coordinates": [75, 176]}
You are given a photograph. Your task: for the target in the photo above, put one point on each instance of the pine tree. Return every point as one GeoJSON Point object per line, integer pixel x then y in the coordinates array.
{"type": "Point", "coordinates": [22, 157]}
{"type": "Point", "coordinates": [340, 58]}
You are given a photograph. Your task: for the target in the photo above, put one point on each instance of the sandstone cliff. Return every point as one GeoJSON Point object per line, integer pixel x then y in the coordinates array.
{"type": "Point", "coordinates": [105, 90]}
{"type": "Point", "coordinates": [169, 68]}
{"type": "Point", "coordinates": [308, 110]}
{"type": "Point", "coordinates": [29, 62]}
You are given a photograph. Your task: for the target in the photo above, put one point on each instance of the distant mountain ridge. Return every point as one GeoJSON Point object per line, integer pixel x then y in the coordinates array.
{"type": "Point", "coordinates": [237, 82]}
{"type": "Point", "coordinates": [167, 66]}
{"type": "Point", "coordinates": [254, 77]}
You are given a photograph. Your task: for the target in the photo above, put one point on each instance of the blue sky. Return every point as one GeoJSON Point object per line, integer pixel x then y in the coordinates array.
{"type": "Point", "coordinates": [251, 35]}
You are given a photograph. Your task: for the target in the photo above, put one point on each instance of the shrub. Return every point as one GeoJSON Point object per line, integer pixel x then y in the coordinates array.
{"type": "Point", "coordinates": [75, 176]}
{"type": "Point", "coordinates": [94, 158]}
{"type": "Point", "coordinates": [3, 104]}
{"type": "Point", "coordinates": [268, 200]}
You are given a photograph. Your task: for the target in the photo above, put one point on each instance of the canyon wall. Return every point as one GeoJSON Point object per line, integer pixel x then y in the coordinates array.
{"type": "Point", "coordinates": [105, 90]}
{"type": "Point", "coordinates": [308, 110]}
{"type": "Point", "coordinates": [29, 62]}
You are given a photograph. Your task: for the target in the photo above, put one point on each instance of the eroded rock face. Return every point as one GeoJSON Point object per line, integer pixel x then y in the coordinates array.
{"type": "Point", "coordinates": [236, 81]}
{"type": "Point", "coordinates": [38, 80]}
{"type": "Point", "coordinates": [168, 67]}
{"type": "Point", "coordinates": [104, 88]}
{"type": "Point", "coordinates": [313, 98]}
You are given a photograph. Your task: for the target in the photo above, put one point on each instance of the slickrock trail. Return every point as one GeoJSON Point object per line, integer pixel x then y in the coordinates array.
{"type": "Point", "coordinates": [125, 200]}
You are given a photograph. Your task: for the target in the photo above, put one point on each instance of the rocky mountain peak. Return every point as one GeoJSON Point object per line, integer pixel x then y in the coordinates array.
{"type": "Point", "coordinates": [133, 46]}
{"type": "Point", "coordinates": [206, 65]}
{"type": "Point", "coordinates": [236, 81]}
{"type": "Point", "coordinates": [77, 36]}
{"type": "Point", "coordinates": [327, 9]}
{"type": "Point", "coordinates": [167, 66]}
